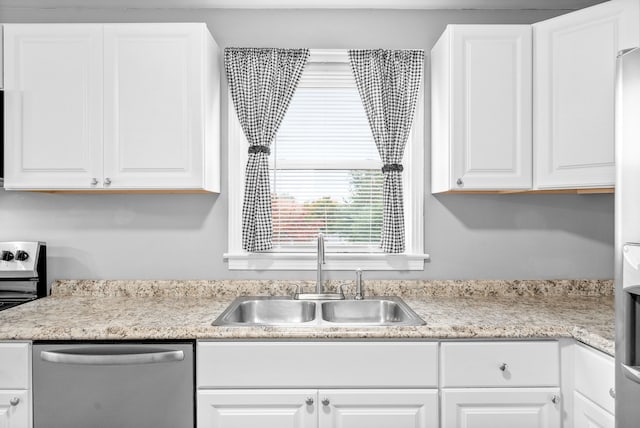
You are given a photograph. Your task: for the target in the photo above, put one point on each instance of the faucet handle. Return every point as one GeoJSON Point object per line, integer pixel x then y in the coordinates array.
{"type": "Point", "coordinates": [359, 289]}
{"type": "Point", "coordinates": [340, 290]}
{"type": "Point", "coordinates": [297, 290]}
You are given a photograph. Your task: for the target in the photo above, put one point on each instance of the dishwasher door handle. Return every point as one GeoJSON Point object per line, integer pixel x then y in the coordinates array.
{"type": "Point", "coordinates": [111, 356]}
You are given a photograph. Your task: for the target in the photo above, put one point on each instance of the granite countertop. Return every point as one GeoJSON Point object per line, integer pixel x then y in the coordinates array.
{"type": "Point", "coordinates": [129, 310]}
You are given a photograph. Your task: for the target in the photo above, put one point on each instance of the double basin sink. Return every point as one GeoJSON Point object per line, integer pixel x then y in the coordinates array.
{"type": "Point", "coordinates": [284, 311]}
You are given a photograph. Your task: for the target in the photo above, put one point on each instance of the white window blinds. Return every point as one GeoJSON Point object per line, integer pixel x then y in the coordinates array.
{"type": "Point", "coordinates": [325, 167]}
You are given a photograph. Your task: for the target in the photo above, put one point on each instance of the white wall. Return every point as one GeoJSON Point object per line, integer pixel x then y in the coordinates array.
{"type": "Point", "coordinates": [184, 236]}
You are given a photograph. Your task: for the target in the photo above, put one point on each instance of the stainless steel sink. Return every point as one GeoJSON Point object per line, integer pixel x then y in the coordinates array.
{"type": "Point", "coordinates": [267, 311]}
{"type": "Point", "coordinates": [383, 311]}
{"type": "Point", "coordinates": [284, 311]}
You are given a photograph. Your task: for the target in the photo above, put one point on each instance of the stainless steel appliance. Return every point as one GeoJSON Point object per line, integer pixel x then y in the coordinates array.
{"type": "Point", "coordinates": [117, 385]}
{"type": "Point", "coordinates": [23, 272]}
{"type": "Point", "coordinates": [1, 138]}
{"type": "Point", "coordinates": [627, 239]}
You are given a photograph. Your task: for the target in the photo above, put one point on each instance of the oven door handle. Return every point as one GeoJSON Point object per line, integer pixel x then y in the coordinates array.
{"type": "Point", "coordinates": [111, 356]}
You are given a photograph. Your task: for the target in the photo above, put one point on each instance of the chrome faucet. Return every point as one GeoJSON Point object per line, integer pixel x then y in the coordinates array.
{"type": "Point", "coordinates": [319, 285]}
{"type": "Point", "coordinates": [320, 293]}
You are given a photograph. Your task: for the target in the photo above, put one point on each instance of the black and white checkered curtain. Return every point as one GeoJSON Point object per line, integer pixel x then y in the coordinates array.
{"type": "Point", "coordinates": [388, 82]}
{"type": "Point", "coordinates": [262, 82]}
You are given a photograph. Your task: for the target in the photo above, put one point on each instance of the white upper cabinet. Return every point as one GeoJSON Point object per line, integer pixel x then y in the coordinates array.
{"type": "Point", "coordinates": [574, 78]}
{"type": "Point", "coordinates": [486, 111]}
{"type": "Point", "coordinates": [112, 107]}
{"type": "Point", "coordinates": [53, 106]}
{"type": "Point", "coordinates": [481, 107]}
{"type": "Point", "coordinates": [154, 93]}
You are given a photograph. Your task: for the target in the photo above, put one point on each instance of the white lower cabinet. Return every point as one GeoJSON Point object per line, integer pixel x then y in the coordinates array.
{"type": "Point", "coordinates": [15, 408]}
{"type": "Point", "coordinates": [501, 408]}
{"type": "Point", "coordinates": [15, 385]}
{"type": "Point", "coordinates": [589, 386]}
{"type": "Point", "coordinates": [501, 384]}
{"type": "Point", "coordinates": [308, 408]}
{"type": "Point", "coordinates": [294, 408]}
{"type": "Point", "coordinates": [345, 384]}
{"type": "Point", "coordinates": [587, 414]}
{"type": "Point", "coordinates": [378, 408]}
{"type": "Point", "coordinates": [403, 384]}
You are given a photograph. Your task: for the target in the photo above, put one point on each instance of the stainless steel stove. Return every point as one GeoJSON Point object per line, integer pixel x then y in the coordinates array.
{"type": "Point", "coordinates": [23, 272]}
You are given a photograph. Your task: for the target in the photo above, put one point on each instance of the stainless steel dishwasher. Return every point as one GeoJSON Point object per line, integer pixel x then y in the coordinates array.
{"type": "Point", "coordinates": [113, 385]}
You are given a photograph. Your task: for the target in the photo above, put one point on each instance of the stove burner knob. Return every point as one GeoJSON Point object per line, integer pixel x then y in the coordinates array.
{"type": "Point", "coordinates": [6, 256]}
{"type": "Point", "coordinates": [21, 255]}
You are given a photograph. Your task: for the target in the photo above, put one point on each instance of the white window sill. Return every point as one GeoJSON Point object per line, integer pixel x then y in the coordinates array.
{"type": "Point", "coordinates": [333, 261]}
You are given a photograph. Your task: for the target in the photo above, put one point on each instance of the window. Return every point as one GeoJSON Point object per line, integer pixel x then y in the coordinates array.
{"type": "Point", "coordinates": [326, 177]}
{"type": "Point", "coordinates": [325, 169]}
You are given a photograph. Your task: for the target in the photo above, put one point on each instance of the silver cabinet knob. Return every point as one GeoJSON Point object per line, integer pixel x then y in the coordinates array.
{"type": "Point", "coordinates": [555, 399]}
{"type": "Point", "coordinates": [309, 401]}
{"type": "Point", "coordinates": [94, 181]}
{"type": "Point", "coordinates": [325, 401]}
{"type": "Point", "coordinates": [612, 392]}
{"type": "Point", "coordinates": [459, 182]}
{"type": "Point", "coordinates": [503, 367]}
{"type": "Point", "coordinates": [14, 401]}
{"type": "Point", "coordinates": [107, 181]}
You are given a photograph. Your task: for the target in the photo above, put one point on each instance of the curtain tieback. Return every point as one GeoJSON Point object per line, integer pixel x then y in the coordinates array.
{"type": "Point", "coordinates": [259, 149]}
{"type": "Point", "coordinates": [392, 167]}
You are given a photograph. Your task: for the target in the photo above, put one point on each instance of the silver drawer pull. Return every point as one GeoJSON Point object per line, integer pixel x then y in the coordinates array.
{"type": "Point", "coordinates": [14, 401]}
{"type": "Point", "coordinates": [325, 401]}
{"type": "Point", "coordinates": [309, 401]}
{"type": "Point", "coordinates": [94, 182]}
{"type": "Point", "coordinates": [503, 367]}
{"type": "Point", "coordinates": [555, 399]}
{"type": "Point", "coordinates": [612, 392]}
{"type": "Point", "coordinates": [110, 356]}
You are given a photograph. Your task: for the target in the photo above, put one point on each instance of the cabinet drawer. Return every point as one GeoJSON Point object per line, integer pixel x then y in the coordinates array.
{"type": "Point", "coordinates": [317, 364]}
{"type": "Point", "coordinates": [594, 374]}
{"type": "Point", "coordinates": [14, 366]}
{"type": "Point", "coordinates": [500, 364]}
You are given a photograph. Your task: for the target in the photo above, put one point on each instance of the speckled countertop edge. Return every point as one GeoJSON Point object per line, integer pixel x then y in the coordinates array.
{"type": "Point", "coordinates": [413, 288]}
{"type": "Point", "coordinates": [135, 310]}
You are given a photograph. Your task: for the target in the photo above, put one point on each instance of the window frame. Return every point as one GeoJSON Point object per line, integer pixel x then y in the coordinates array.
{"type": "Point", "coordinates": [413, 180]}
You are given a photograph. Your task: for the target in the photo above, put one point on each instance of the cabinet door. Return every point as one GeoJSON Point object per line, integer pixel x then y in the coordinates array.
{"type": "Point", "coordinates": [257, 408]}
{"type": "Point", "coordinates": [153, 105]}
{"type": "Point", "coordinates": [588, 414]}
{"type": "Point", "coordinates": [15, 409]}
{"type": "Point", "coordinates": [574, 78]}
{"type": "Point", "coordinates": [500, 408]}
{"type": "Point", "coordinates": [53, 106]}
{"type": "Point", "coordinates": [378, 408]}
{"type": "Point", "coordinates": [491, 107]}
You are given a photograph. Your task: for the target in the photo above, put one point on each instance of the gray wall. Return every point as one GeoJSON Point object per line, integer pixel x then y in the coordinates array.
{"type": "Point", "coordinates": [184, 236]}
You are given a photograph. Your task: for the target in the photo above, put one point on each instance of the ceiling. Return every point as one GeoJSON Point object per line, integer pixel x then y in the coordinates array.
{"type": "Point", "coordinates": [302, 4]}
